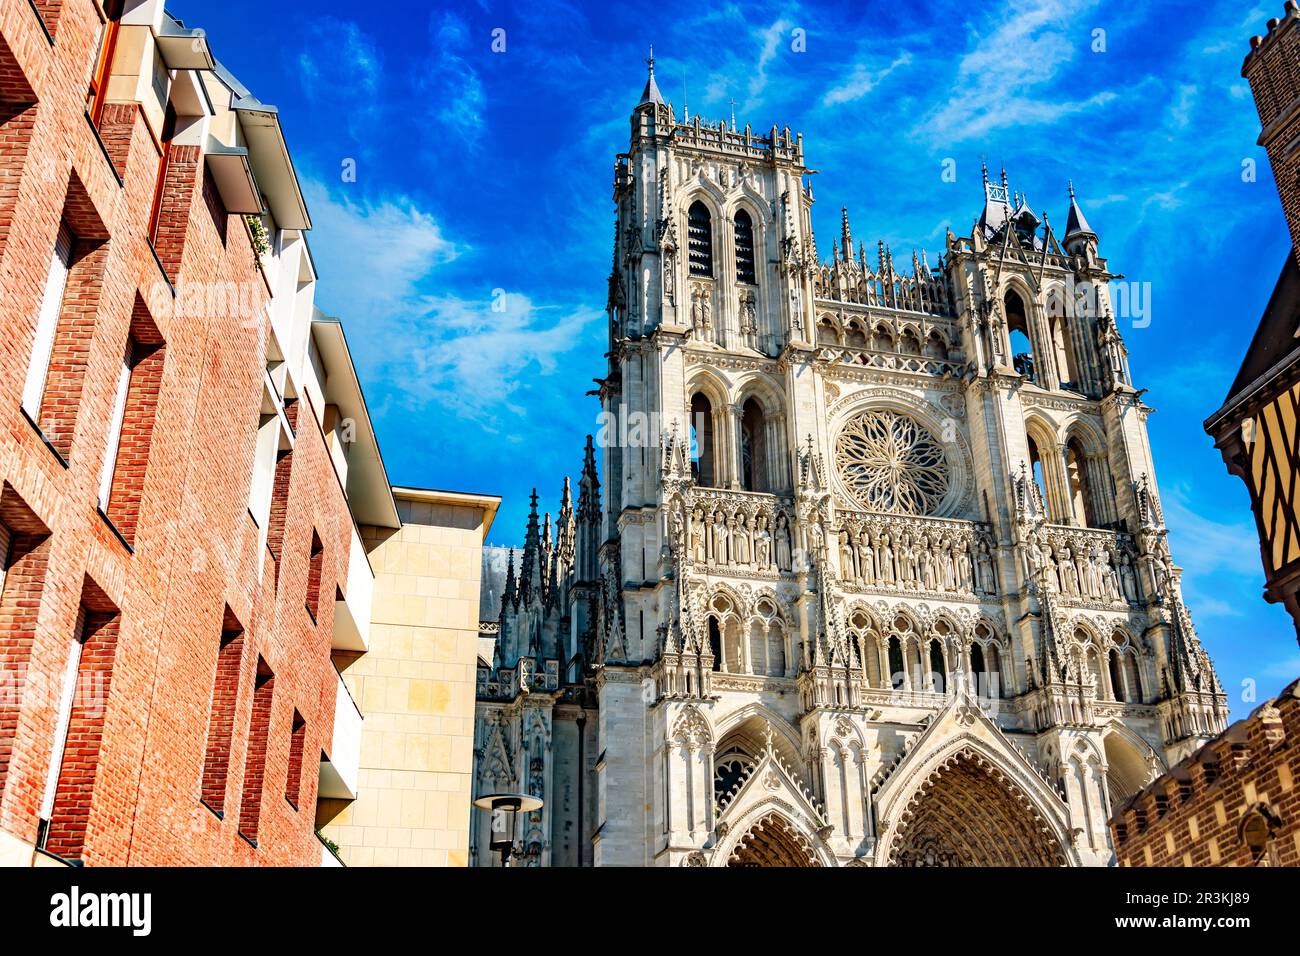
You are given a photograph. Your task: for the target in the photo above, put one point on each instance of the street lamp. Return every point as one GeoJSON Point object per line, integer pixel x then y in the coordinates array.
{"type": "Point", "coordinates": [505, 808]}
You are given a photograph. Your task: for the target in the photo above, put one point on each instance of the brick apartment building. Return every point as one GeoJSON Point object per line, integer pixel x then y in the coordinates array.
{"type": "Point", "coordinates": [185, 459]}
{"type": "Point", "coordinates": [1235, 801]}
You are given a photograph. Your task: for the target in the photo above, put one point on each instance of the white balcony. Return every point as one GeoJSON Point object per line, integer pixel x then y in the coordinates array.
{"type": "Point", "coordinates": [352, 609]}
{"type": "Point", "coordinates": [340, 771]}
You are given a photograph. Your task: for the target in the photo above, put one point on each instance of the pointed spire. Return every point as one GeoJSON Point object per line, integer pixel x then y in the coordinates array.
{"type": "Point", "coordinates": [1076, 225]}
{"type": "Point", "coordinates": [846, 237]}
{"type": "Point", "coordinates": [651, 94]}
{"type": "Point", "coordinates": [511, 592]}
{"type": "Point", "coordinates": [531, 559]}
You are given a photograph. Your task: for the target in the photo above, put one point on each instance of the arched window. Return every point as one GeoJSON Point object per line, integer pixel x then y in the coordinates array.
{"type": "Point", "coordinates": [744, 247]}
{"type": "Point", "coordinates": [1116, 678]}
{"type": "Point", "coordinates": [699, 239]}
{"type": "Point", "coordinates": [909, 344]}
{"type": "Point", "coordinates": [938, 669]}
{"type": "Point", "coordinates": [1134, 675]}
{"type": "Point", "coordinates": [935, 347]}
{"type": "Point", "coordinates": [753, 450]}
{"type": "Point", "coordinates": [1076, 466]}
{"type": "Point", "coordinates": [895, 663]}
{"type": "Point", "coordinates": [1036, 466]}
{"type": "Point", "coordinates": [715, 643]}
{"type": "Point", "coordinates": [826, 334]}
{"type": "Point", "coordinates": [702, 458]}
{"type": "Point", "coordinates": [994, 680]}
{"type": "Point", "coordinates": [854, 337]}
{"type": "Point", "coordinates": [1022, 349]}
{"type": "Point", "coordinates": [1065, 366]}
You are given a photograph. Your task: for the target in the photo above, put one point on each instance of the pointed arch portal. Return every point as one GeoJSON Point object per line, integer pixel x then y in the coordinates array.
{"type": "Point", "coordinates": [771, 842]}
{"type": "Point", "coordinates": [969, 814]}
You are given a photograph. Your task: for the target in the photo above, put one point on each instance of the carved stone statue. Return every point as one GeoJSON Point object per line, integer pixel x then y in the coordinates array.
{"type": "Point", "coordinates": [848, 567]}
{"type": "Point", "coordinates": [782, 542]}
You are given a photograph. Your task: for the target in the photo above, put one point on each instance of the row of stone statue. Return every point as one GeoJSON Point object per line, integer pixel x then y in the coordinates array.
{"type": "Point", "coordinates": [1083, 571]}
{"type": "Point", "coordinates": [921, 561]}
{"type": "Point", "coordinates": [736, 540]}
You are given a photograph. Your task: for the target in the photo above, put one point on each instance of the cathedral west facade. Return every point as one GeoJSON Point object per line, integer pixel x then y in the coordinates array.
{"type": "Point", "coordinates": [869, 565]}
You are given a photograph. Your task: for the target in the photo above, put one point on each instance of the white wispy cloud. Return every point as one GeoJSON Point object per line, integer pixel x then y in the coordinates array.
{"type": "Point", "coordinates": [339, 56]}
{"type": "Point", "coordinates": [474, 356]}
{"type": "Point", "coordinates": [477, 357]}
{"type": "Point", "coordinates": [372, 252]}
{"type": "Point", "coordinates": [450, 81]}
{"type": "Point", "coordinates": [865, 78]}
{"type": "Point", "coordinates": [1006, 78]}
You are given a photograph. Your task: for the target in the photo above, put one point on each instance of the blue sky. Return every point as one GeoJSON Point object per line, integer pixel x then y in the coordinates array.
{"type": "Point", "coordinates": [481, 171]}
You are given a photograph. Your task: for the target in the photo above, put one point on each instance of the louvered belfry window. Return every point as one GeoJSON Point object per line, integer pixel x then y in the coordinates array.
{"type": "Point", "coordinates": [745, 248]}
{"type": "Point", "coordinates": [700, 240]}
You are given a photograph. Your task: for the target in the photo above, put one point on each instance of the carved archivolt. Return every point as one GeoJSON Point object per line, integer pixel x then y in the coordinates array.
{"type": "Point", "coordinates": [969, 813]}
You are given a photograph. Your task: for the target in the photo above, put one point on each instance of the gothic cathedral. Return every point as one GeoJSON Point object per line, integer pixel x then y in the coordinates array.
{"type": "Point", "coordinates": [878, 573]}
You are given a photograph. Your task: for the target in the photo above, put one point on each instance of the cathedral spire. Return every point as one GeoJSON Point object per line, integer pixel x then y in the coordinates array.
{"type": "Point", "coordinates": [530, 571]}
{"type": "Point", "coordinates": [651, 95]}
{"type": "Point", "coordinates": [1076, 225]}
{"type": "Point", "coordinates": [846, 236]}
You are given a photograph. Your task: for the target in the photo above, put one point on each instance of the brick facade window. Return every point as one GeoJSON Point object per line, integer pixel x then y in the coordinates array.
{"type": "Point", "coordinates": [297, 738]}
{"type": "Point", "coordinates": [135, 404]}
{"type": "Point", "coordinates": [315, 566]}
{"type": "Point", "coordinates": [259, 729]}
{"type": "Point", "coordinates": [79, 731]}
{"type": "Point", "coordinates": [105, 49]}
{"type": "Point", "coordinates": [47, 320]}
{"type": "Point", "coordinates": [17, 121]}
{"type": "Point", "coordinates": [221, 714]}
{"type": "Point", "coordinates": [26, 552]}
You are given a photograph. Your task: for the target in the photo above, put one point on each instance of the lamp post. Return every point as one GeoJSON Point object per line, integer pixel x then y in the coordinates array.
{"type": "Point", "coordinates": [505, 809]}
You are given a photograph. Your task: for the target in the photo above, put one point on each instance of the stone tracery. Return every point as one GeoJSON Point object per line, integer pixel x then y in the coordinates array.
{"type": "Point", "coordinates": [889, 462]}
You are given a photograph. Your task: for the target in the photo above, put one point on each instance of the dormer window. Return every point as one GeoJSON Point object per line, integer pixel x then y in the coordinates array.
{"type": "Point", "coordinates": [745, 248]}
{"type": "Point", "coordinates": [699, 234]}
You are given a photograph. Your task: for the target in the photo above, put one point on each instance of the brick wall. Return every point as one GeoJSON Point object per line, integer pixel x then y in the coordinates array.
{"type": "Point", "coordinates": [1273, 70]}
{"type": "Point", "coordinates": [1206, 810]}
{"type": "Point", "coordinates": [195, 550]}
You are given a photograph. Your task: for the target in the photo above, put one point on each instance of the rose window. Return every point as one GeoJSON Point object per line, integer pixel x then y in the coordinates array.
{"type": "Point", "coordinates": [889, 462]}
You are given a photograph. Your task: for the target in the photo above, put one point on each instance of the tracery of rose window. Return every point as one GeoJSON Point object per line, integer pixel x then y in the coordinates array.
{"type": "Point", "coordinates": [890, 462]}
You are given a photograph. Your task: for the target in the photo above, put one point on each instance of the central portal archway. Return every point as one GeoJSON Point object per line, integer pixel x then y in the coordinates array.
{"type": "Point", "coordinates": [772, 842]}
{"type": "Point", "coordinates": [969, 814]}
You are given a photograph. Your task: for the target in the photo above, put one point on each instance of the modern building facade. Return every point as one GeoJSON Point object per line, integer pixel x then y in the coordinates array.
{"type": "Point", "coordinates": [186, 461]}
{"type": "Point", "coordinates": [415, 685]}
{"type": "Point", "coordinates": [878, 572]}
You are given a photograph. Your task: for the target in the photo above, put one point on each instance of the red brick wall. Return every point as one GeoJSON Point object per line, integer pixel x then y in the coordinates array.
{"type": "Point", "coordinates": [297, 738]}
{"type": "Point", "coordinates": [176, 208]}
{"type": "Point", "coordinates": [259, 734]}
{"type": "Point", "coordinates": [221, 719]}
{"type": "Point", "coordinates": [1273, 70]}
{"type": "Point", "coordinates": [80, 765]}
{"type": "Point", "coordinates": [20, 603]}
{"type": "Point", "coordinates": [1194, 815]}
{"type": "Point", "coordinates": [196, 548]}
{"type": "Point", "coordinates": [72, 341]}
